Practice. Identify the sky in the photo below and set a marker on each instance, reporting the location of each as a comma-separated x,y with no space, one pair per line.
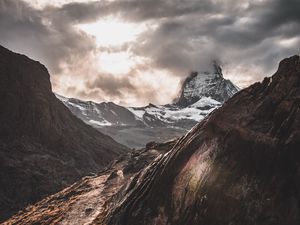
134,52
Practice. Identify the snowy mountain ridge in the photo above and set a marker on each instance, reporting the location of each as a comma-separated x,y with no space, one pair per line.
201,93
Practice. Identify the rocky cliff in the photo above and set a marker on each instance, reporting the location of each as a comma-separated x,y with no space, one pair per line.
43,146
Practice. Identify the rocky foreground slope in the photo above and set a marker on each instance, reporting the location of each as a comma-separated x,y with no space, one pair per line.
239,166
43,146
84,201
201,93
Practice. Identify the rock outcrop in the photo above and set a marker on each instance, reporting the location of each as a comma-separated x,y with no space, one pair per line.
43,146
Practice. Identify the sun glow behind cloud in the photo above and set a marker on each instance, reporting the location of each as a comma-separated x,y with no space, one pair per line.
114,58
116,63
111,32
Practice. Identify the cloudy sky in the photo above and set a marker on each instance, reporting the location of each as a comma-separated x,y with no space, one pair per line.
134,52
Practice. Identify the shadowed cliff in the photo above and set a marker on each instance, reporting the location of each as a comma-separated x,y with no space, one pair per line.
43,146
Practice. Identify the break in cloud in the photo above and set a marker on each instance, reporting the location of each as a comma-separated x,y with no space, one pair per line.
171,38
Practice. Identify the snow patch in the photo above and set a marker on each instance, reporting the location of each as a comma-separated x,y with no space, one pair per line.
77,106
137,112
100,123
205,101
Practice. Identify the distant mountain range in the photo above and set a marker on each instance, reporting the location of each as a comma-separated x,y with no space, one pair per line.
201,93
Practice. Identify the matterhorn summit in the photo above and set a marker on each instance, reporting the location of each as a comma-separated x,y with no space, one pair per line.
208,83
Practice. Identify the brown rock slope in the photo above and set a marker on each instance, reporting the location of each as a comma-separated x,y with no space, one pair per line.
43,147
240,166
87,200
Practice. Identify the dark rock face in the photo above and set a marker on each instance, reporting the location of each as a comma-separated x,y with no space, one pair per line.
86,200
239,166
43,146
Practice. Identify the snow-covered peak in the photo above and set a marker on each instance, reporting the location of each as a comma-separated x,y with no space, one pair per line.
208,83
205,102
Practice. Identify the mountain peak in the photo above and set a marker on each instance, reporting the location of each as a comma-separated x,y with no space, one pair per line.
207,83
217,68
292,62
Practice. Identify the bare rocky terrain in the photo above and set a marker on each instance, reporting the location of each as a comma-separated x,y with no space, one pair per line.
85,200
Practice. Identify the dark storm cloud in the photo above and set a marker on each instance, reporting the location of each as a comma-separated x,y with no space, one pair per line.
282,12
249,37
261,21
134,10
40,35
111,85
246,33
118,89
